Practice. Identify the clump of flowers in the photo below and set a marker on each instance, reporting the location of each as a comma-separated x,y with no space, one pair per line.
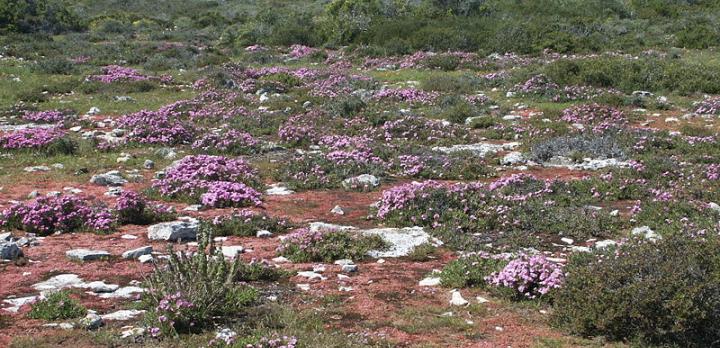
47,215
710,106
156,127
115,73
300,51
246,223
595,117
410,95
212,180
225,140
529,276
396,197
275,341
31,138
306,245
229,194
48,116
133,208
174,314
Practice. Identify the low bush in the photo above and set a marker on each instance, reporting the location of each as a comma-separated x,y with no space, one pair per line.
305,245
246,223
470,270
57,306
663,292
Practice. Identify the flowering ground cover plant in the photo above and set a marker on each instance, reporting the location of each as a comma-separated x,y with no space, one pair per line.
47,215
501,158
214,181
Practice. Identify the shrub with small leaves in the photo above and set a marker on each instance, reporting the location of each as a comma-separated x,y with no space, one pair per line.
247,223
56,306
305,245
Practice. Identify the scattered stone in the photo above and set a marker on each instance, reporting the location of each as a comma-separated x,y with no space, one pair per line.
59,282
136,253
184,229
232,251
9,251
98,286
166,153
114,191
111,178
714,207
481,299
430,281
324,226
646,233
587,164
263,234
343,262
226,336
337,210
145,258
91,321
124,292
349,268
605,243
122,315
401,241
132,332
86,254
149,164
567,240
361,181
479,149
17,303
513,158
37,169
128,236
193,207
303,287
457,299
311,275
280,259
278,189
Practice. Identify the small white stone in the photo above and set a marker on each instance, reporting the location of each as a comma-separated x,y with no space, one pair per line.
457,299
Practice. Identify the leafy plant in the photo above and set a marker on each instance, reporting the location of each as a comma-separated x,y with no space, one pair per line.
57,305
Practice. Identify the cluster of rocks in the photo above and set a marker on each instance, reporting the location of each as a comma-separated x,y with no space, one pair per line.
11,247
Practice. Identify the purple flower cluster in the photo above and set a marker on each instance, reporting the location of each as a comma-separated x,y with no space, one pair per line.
710,106
300,51
172,311
30,138
229,194
529,276
49,116
115,73
713,172
595,117
215,180
156,127
410,95
47,215
302,239
226,140
396,197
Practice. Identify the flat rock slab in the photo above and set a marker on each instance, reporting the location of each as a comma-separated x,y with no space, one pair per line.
479,149
136,253
86,254
124,292
185,229
59,282
121,315
401,241
16,303
231,251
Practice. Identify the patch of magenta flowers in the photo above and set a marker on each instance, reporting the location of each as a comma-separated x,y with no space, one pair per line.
529,276
215,181
47,116
174,313
30,138
133,208
595,117
47,215
115,73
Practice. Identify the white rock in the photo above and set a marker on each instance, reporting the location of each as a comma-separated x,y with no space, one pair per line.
401,241
337,210
58,282
513,158
124,292
111,178
133,332
231,251
361,181
430,281
311,275
456,299
567,240
714,207
481,299
91,321
479,149
16,303
605,243
122,315
146,258
646,233
263,234
278,189
98,286
349,268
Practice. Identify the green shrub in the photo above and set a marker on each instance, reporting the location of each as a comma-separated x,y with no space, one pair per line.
194,292
58,305
470,271
326,246
663,292
247,224
423,252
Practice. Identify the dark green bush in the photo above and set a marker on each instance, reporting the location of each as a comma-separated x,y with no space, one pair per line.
666,292
58,305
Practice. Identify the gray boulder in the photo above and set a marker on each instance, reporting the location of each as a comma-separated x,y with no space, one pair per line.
184,229
86,254
361,181
111,178
9,251
136,253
